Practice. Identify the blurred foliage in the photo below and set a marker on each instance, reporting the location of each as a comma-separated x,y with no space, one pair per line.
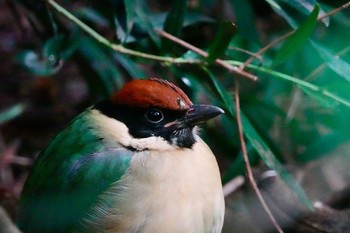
296,112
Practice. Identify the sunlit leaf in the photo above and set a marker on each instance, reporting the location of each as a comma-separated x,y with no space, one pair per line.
334,62
298,39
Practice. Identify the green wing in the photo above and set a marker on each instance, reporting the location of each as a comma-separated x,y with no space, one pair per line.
68,177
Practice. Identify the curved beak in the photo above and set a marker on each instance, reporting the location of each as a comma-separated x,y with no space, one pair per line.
200,113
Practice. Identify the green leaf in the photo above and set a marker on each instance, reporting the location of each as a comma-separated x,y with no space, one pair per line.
221,92
54,52
316,90
173,23
321,99
298,39
276,6
130,8
221,41
130,66
245,19
271,161
108,76
324,145
37,64
144,20
11,113
338,65
260,146
92,15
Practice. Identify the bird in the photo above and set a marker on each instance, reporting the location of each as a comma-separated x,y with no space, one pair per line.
133,162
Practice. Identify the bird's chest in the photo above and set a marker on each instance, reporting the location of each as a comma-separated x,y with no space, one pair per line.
167,192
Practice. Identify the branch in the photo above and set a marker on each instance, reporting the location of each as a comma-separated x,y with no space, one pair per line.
123,50
201,52
285,36
247,164
116,47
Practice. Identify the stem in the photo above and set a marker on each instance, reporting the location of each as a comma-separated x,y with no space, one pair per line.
247,163
121,49
118,48
285,36
203,53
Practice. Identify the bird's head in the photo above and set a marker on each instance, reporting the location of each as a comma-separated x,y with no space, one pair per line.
157,108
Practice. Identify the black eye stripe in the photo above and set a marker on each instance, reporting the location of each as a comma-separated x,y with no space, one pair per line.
154,115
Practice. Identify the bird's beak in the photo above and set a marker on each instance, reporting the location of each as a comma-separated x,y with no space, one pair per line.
200,113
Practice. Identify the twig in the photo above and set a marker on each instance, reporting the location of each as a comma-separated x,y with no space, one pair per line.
333,12
260,58
121,49
246,161
116,47
233,185
222,63
285,36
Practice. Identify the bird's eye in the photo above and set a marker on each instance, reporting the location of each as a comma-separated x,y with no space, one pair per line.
154,116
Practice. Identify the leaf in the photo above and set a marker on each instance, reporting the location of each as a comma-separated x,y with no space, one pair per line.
221,92
260,146
11,113
338,65
324,145
144,20
221,41
173,23
130,8
321,99
280,11
92,15
245,19
298,39
130,66
301,83
271,161
36,64
306,6
108,76
294,11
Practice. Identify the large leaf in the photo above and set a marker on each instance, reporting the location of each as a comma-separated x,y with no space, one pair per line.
338,65
260,145
221,41
298,39
173,22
